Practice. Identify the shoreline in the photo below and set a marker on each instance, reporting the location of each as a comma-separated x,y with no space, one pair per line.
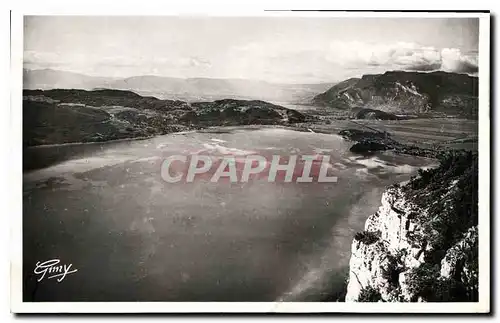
364,141
201,130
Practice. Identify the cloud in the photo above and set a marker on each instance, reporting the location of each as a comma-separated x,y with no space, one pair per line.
118,65
424,67
194,62
454,60
337,60
403,56
274,60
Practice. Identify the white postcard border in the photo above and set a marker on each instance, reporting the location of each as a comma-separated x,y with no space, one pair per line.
15,176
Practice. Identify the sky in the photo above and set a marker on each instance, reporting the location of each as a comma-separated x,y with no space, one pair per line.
273,49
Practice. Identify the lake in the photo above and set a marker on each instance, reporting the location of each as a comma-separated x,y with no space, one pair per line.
105,209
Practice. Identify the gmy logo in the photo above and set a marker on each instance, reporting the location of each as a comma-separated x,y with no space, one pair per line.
52,269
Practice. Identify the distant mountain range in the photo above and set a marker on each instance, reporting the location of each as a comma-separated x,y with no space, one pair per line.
398,92
189,89
373,96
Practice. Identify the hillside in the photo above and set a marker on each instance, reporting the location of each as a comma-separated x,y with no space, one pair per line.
415,93
422,243
64,116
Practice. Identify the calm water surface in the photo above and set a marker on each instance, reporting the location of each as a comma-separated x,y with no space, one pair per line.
133,236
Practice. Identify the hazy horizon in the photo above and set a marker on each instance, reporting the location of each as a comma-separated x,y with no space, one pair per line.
176,77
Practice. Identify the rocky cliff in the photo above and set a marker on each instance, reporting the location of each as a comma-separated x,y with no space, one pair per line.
431,94
422,243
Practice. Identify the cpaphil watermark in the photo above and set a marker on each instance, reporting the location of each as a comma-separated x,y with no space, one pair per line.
242,169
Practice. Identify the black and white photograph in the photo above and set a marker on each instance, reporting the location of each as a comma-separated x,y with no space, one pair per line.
303,161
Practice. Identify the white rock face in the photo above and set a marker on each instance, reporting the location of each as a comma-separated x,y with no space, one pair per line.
384,264
456,262
370,263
